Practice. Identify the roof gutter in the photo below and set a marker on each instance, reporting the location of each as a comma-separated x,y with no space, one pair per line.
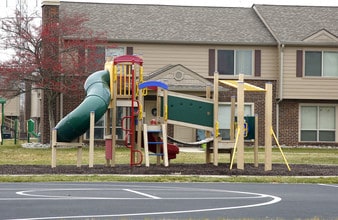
143,41
321,44
193,42
280,48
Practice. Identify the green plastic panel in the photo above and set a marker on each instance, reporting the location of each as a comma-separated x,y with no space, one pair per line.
190,111
249,127
30,125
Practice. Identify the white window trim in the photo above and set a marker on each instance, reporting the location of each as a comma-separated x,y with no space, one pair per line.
251,104
316,105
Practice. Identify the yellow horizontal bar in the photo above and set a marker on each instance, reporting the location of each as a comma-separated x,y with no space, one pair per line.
247,86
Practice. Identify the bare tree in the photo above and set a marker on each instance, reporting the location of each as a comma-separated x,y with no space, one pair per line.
50,56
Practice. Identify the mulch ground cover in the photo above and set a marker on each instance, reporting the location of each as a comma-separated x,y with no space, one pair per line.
176,169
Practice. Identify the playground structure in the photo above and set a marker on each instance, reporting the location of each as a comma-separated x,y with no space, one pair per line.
239,146
122,79
155,135
269,133
103,88
11,125
126,73
31,130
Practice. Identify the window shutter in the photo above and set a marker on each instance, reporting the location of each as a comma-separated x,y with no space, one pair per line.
211,62
299,65
130,50
257,62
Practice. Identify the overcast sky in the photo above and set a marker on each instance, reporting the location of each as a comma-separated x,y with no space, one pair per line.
227,3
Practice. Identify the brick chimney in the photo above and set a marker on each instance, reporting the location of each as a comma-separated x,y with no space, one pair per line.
50,11
50,14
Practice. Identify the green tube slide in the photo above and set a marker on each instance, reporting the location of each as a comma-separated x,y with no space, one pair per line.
97,100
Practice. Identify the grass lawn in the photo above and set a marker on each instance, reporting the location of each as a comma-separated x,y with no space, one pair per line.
11,154
17,155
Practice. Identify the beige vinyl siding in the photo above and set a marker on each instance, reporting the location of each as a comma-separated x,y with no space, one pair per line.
323,88
269,65
185,134
195,57
157,56
12,107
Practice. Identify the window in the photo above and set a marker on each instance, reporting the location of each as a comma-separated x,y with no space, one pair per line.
317,123
321,63
234,62
100,125
224,113
114,52
98,129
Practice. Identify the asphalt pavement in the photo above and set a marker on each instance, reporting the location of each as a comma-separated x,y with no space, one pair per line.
119,200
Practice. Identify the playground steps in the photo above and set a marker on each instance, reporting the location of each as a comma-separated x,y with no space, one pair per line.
160,130
224,146
10,128
78,143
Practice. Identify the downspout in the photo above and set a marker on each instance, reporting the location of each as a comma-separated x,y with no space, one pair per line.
281,81
280,49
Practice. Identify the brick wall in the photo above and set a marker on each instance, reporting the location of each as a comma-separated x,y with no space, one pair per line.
50,14
289,118
288,122
72,100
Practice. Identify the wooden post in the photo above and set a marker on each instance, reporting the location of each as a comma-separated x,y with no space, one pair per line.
164,127
165,144
240,123
78,143
113,104
268,127
256,142
145,142
108,134
165,106
79,151
216,125
54,133
232,118
91,139
79,156
158,120
208,133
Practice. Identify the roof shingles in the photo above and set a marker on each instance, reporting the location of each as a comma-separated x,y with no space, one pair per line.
179,24
292,24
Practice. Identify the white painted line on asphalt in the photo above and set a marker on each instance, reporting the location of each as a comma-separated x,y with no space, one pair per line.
269,200
142,194
330,185
274,199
